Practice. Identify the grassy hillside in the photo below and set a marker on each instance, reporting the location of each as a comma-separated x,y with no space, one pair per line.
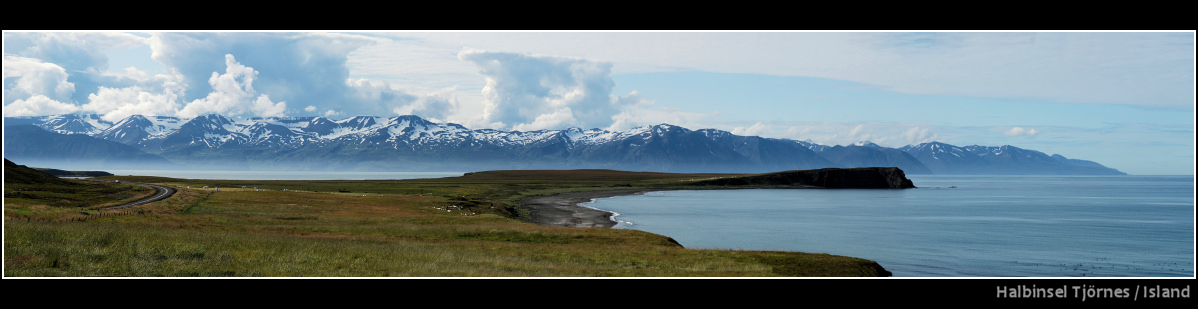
459,226
29,193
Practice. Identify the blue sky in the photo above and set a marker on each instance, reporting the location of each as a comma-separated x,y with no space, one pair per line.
1123,99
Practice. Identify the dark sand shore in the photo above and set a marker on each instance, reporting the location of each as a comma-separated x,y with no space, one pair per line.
563,210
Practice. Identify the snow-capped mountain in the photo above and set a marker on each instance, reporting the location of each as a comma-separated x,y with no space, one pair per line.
36,146
412,143
136,129
943,158
89,124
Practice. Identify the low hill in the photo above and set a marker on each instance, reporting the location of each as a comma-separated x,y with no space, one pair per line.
20,174
25,187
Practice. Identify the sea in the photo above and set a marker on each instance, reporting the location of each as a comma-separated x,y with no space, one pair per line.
951,226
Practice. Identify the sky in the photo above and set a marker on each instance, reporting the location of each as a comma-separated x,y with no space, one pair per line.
1122,99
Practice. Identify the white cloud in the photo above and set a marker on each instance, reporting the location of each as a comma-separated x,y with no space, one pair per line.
38,105
918,135
755,130
265,108
310,108
368,97
115,104
304,69
82,54
434,107
75,51
1018,131
633,112
535,91
233,94
31,77
561,118
884,134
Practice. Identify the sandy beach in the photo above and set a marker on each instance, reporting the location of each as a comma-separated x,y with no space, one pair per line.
563,210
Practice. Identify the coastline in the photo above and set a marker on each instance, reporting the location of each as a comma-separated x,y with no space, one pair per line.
563,210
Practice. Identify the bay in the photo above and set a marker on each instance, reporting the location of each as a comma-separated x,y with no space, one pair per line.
952,226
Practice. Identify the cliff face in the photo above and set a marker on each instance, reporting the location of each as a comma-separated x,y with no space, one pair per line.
832,178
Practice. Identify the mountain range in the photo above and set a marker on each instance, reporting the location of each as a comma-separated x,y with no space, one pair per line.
411,143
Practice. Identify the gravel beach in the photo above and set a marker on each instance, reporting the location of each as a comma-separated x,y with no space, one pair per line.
563,210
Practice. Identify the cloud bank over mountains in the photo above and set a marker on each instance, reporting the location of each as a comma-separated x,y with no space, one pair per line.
293,74
533,92
236,74
890,88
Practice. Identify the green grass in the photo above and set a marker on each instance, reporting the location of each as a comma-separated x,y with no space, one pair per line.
400,230
83,249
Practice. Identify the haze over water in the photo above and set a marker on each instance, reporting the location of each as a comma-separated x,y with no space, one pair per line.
283,175
987,226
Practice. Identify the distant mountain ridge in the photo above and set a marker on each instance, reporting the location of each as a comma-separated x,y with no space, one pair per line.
411,143
943,158
37,147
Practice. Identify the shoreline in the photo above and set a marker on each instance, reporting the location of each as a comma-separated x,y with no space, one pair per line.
563,209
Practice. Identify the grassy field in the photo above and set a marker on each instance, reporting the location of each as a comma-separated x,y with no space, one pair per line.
448,227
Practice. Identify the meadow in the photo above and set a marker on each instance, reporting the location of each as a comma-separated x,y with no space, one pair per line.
467,226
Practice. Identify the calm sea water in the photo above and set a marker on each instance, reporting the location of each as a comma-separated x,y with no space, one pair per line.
987,226
284,175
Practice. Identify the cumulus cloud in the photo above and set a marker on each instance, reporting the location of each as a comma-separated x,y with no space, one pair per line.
81,54
26,77
38,105
233,94
300,68
542,92
308,69
1018,131
115,104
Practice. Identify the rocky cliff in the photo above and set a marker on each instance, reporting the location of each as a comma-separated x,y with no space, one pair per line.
832,178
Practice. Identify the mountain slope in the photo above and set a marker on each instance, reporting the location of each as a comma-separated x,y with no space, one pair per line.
35,146
943,158
870,155
411,143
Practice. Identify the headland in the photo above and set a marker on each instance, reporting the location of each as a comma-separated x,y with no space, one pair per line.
563,209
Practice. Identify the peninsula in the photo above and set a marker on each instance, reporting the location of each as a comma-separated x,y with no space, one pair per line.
562,209
475,225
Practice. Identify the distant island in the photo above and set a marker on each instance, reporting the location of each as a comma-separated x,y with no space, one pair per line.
411,143
62,173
